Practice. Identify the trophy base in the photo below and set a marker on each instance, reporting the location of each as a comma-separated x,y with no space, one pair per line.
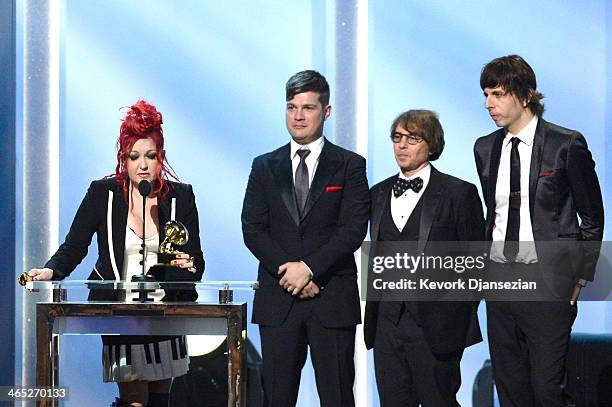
165,273
158,271
165,258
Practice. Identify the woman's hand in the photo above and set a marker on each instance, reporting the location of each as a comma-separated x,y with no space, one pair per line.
41,274
184,261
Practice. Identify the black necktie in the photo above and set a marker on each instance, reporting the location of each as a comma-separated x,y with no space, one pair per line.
301,180
511,245
402,185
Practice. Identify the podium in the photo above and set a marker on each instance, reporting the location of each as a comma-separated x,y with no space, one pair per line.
140,318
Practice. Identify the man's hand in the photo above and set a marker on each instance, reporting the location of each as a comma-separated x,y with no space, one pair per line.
310,291
575,294
296,276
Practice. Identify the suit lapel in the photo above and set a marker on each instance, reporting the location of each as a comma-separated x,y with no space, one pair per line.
379,203
536,163
163,214
494,168
283,175
431,201
119,221
327,167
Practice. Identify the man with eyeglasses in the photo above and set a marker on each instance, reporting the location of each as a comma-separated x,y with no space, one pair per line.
537,179
418,345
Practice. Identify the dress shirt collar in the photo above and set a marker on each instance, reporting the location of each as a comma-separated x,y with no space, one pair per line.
424,173
315,147
526,135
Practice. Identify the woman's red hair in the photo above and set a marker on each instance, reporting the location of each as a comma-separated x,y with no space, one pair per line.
143,121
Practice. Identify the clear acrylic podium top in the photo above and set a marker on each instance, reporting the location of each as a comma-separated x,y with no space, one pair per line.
221,292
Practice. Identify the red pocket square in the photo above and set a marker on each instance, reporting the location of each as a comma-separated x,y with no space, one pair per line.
548,173
333,188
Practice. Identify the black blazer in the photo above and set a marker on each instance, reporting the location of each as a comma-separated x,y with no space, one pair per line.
451,211
332,227
562,185
93,217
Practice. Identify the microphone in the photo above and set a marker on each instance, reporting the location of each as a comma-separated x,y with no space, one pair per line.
144,187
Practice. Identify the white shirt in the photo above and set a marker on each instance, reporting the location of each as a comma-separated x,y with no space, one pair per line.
403,205
132,258
526,253
312,160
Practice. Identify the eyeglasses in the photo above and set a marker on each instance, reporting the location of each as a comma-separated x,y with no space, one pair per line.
412,139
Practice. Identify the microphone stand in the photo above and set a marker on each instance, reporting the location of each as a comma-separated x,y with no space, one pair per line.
144,187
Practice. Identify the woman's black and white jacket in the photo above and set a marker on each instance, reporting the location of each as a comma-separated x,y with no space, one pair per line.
104,212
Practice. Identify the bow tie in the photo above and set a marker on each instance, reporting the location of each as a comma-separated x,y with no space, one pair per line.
402,185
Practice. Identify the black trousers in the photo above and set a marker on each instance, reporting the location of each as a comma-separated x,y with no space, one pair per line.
408,373
284,350
528,343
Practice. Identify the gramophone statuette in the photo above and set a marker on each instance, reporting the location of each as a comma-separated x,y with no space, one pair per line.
176,235
24,278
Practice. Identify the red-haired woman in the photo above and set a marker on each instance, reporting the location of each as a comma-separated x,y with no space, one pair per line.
142,366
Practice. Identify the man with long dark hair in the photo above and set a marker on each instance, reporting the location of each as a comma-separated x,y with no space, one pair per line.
537,179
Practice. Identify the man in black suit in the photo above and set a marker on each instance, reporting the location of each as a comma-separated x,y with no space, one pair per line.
305,213
536,179
418,345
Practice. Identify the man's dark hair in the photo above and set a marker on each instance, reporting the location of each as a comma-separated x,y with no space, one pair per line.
514,75
308,81
423,123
